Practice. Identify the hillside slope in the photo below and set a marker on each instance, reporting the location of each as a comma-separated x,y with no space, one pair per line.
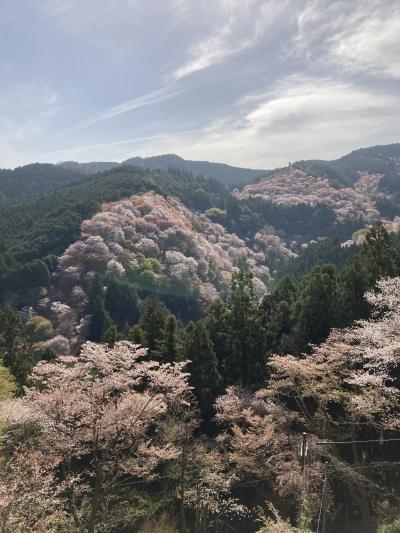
47,226
33,181
156,245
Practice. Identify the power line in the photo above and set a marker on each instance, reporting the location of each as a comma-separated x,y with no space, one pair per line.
356,441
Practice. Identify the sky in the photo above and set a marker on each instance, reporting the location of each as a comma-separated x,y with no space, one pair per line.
253,83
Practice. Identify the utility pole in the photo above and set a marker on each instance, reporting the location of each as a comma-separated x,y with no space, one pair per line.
303,452
303,456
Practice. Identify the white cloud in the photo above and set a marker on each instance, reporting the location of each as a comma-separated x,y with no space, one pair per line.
358,36
303,118
373,45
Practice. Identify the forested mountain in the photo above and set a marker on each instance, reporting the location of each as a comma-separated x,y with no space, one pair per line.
166,343
33,181
88,169
221,172
226,174
384,159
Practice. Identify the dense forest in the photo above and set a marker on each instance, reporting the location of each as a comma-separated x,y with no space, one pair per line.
177,356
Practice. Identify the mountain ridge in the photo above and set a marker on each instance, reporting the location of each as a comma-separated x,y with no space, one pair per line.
38,179
227,174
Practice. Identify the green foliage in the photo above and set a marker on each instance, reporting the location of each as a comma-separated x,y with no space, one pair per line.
121,301
170,348
305,519
10,332
203,367
345,171
327,250
8,386
148,274
294,315
245,362
111,336
30,275
33,181
314,311
136,334
16,349
38,329
394,527
235,331
217,215
100,320
153,320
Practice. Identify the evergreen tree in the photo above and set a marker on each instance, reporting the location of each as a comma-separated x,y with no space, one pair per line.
16,348
245,363
111,336
96,289
315,309
100,320
152,321
170,348
10,332
121,302
353,283
217,327
203,366
379,255
136,334
285,290
278,327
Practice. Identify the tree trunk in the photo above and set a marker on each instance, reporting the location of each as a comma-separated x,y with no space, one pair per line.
365,514
183,527
96,499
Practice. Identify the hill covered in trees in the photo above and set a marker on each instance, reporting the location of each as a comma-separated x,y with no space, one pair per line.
166,342
211,444
384,160
227,174
33,181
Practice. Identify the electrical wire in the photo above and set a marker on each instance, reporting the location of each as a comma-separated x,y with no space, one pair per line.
356,441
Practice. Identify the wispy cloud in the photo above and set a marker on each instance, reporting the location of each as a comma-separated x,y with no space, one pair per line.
26,111
303,117
153,97
359,37
66,152
243,23
373,45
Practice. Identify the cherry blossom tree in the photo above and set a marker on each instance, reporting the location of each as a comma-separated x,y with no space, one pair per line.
29,496
100,418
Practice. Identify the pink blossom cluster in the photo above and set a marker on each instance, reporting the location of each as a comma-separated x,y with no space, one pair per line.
292,186
192,250
367,184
